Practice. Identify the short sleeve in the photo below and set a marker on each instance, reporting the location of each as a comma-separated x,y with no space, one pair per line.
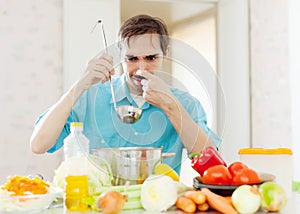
64,133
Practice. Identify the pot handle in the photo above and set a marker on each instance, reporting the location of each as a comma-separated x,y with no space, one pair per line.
168,154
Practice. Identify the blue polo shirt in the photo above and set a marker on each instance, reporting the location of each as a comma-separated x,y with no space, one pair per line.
103,128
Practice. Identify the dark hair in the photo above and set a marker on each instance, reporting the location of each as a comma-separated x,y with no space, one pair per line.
143,24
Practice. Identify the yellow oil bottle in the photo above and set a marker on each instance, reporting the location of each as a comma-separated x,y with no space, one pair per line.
75,193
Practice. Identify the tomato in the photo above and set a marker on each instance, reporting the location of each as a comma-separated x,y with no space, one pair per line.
236,167
218,174
246,176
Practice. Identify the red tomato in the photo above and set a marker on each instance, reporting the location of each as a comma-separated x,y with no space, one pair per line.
217,174
236,167
246,176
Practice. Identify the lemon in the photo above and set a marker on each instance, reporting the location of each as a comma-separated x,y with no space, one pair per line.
165,169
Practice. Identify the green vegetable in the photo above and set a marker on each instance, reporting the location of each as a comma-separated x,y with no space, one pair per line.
99,174
296,186
133,204
91,201
273,196
121,188
133,193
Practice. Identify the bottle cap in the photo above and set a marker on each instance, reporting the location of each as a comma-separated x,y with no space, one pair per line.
76,124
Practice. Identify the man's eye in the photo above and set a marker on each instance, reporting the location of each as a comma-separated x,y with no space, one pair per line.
131,59
151,57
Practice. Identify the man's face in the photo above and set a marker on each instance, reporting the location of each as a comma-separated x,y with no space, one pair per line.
143,52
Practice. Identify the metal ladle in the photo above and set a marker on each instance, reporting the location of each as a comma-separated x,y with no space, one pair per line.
126,113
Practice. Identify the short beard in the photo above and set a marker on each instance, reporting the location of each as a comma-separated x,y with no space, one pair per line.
133,88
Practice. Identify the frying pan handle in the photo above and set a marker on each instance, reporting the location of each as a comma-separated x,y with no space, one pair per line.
168,154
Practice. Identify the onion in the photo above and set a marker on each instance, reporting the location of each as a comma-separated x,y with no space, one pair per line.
111,202
273,196
158,193
246,199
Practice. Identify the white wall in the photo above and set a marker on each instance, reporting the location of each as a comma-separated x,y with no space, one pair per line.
294,68
233,68
30,80
270,82
275,66
80,44
200,35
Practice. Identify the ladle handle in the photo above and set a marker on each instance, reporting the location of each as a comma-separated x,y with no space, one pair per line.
104,37
110,82
113,92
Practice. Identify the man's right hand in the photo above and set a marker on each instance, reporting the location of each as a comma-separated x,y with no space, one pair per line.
98,69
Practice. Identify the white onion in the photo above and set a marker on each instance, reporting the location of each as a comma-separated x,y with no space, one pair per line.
158,193
246,199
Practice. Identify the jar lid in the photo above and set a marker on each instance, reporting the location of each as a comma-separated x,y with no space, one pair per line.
262,151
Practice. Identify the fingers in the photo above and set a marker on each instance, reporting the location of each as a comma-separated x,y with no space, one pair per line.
101,67
145,84
105,62
145,74
98,72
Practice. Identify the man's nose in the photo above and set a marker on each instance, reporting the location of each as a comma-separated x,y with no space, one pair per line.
142,65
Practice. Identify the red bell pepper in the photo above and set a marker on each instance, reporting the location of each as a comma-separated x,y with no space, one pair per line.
208,157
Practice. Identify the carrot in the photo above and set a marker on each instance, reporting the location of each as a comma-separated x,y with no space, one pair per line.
203,207
228,200
185,204
218,202
197,196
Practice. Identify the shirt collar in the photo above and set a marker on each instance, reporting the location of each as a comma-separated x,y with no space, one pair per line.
121,89
122,92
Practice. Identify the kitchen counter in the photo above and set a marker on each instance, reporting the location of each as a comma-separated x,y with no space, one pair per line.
293,206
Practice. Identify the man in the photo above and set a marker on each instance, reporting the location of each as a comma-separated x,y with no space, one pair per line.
171,119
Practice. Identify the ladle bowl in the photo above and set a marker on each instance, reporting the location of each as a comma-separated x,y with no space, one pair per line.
129,114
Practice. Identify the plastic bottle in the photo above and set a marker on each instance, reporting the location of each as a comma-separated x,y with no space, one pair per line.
76,147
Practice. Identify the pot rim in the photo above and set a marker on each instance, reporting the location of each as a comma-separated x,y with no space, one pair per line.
130,148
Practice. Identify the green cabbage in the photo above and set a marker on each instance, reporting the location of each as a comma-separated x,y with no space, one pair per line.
99,174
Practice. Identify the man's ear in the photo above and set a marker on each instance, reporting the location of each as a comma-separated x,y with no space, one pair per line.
167,53
167,50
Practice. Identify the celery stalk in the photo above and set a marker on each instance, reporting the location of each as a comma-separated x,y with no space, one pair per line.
133,204
121,188
133,194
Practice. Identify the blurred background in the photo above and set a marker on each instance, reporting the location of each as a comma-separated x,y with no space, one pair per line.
251,46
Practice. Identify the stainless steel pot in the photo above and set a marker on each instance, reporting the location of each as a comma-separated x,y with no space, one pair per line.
133,164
